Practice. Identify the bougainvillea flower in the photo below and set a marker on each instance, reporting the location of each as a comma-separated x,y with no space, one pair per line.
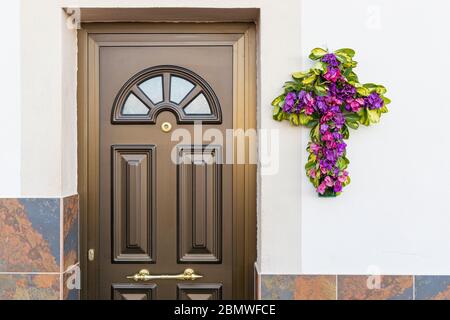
347,91
321,188
328,181
343,178
289,102
309,110
354,104
314,148
332,74
337,187
331,60
374,101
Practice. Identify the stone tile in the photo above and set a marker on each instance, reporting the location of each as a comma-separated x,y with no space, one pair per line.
70,231
375,287
277,287
432,287
29,287
29,235
315,287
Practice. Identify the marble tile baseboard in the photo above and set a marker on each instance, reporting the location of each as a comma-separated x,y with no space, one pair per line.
353,287
39,238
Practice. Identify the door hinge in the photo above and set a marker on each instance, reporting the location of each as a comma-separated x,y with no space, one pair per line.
91,254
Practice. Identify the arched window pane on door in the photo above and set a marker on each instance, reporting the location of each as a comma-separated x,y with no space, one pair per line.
134,106
166,88
198,106
153,89
179,89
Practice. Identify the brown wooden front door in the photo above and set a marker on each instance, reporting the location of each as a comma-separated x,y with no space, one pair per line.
166,196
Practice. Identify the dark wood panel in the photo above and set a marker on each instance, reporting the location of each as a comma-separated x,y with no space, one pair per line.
133,199
200,291
133,291
199,182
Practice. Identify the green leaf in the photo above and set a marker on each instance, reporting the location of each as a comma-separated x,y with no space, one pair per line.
309,80
293,118
299,75
315,133
320,90
380,90
353,125
317,53
280,116
363,91
276,110
312,123
341,163
374,115
320,66
364,117
386,100
347,51
310,165
289,86
384,109
343,57
277,100
345,132
304,119
351,116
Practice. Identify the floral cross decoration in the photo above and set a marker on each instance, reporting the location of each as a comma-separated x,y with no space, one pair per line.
329,99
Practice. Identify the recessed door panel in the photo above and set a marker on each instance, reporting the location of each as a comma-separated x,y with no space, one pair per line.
199,180
204,291
133,196
133,291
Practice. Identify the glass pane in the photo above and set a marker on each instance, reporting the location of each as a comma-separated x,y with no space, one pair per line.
198,106
179,88
134,106
153,89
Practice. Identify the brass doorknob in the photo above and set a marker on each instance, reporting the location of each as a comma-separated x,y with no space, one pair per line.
144,275
166,127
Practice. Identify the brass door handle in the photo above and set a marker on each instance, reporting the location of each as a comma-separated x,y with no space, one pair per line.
144,275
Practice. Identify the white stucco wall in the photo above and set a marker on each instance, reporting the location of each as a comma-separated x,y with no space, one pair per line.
10,105
393,216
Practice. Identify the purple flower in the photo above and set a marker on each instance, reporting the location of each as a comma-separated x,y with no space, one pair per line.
330,155
323,128
341,148
354,104
337,187
339,119
321,104
325,165
343,178
346,92
314,148
331,60
374,101
332,74
309,110
321,188
328,181
289,102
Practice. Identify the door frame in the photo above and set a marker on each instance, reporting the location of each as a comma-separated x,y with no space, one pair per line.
244,117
